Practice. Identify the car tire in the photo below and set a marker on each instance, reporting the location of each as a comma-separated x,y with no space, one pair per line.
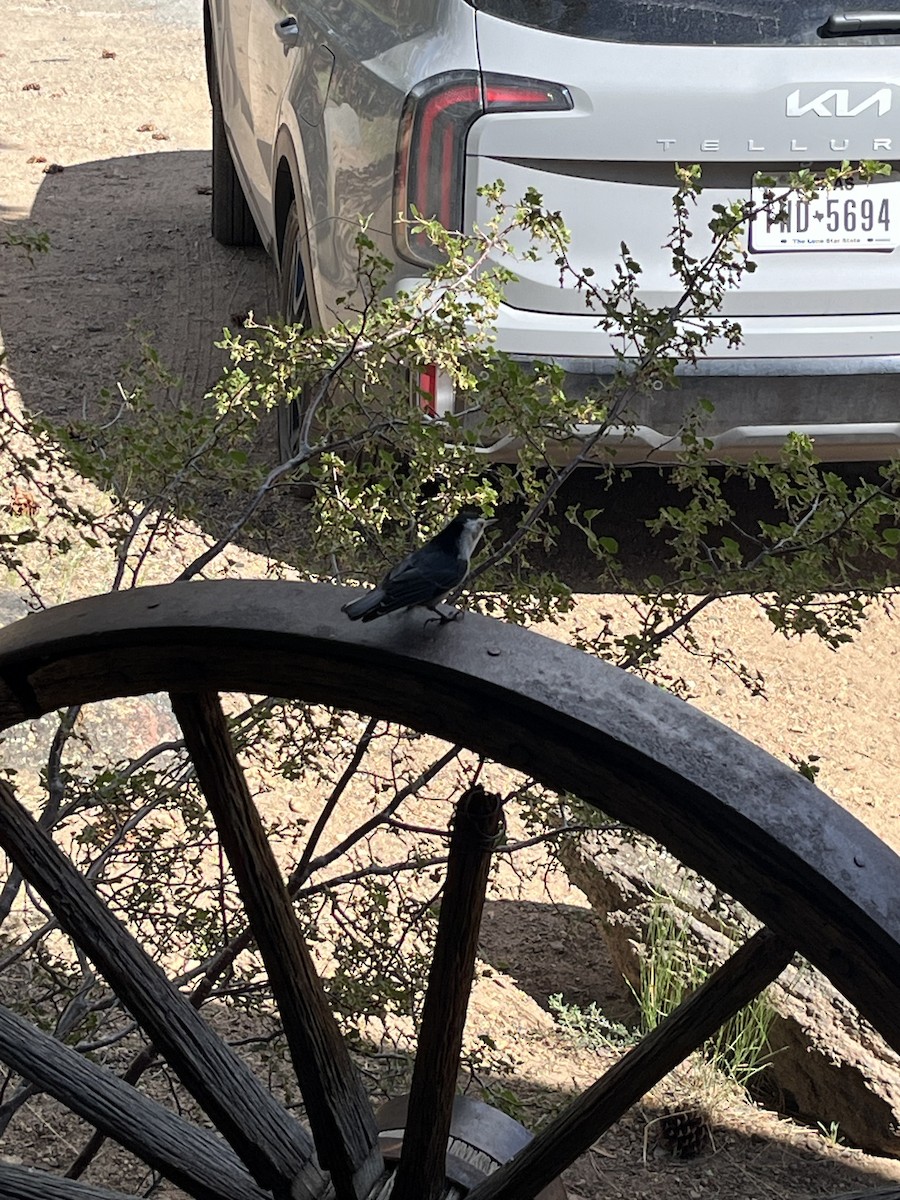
294,307
232,220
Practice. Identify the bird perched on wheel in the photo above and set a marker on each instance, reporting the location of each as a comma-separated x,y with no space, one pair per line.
424,577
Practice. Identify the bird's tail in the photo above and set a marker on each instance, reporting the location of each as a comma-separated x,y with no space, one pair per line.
360,609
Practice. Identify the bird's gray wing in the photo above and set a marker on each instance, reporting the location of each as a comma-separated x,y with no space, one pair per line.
414,582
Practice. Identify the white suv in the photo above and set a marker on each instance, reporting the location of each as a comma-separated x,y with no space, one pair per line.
326,110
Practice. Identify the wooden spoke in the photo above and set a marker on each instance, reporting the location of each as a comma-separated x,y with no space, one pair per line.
757,964
342,1121
195,1159
420,1175
24,1183
276,1150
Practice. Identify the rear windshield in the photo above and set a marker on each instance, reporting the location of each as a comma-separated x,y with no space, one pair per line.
684,22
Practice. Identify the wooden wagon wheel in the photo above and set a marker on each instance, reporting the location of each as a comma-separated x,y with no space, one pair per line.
822,884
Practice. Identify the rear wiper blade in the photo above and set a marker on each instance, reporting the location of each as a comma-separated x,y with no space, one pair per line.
860,24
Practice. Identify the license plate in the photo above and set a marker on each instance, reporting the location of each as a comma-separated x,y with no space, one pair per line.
864,216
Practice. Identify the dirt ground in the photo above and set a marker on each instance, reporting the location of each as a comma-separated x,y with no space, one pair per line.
104,145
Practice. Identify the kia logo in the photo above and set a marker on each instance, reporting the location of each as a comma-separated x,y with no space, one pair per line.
836,103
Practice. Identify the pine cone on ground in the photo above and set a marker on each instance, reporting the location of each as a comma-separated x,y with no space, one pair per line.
684,1132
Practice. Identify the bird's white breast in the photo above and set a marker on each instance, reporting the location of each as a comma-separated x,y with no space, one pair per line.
470,537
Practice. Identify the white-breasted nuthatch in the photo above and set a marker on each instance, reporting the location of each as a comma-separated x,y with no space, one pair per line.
428,574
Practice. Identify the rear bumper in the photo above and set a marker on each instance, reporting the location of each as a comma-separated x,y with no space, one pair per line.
833,378
850,408
642,444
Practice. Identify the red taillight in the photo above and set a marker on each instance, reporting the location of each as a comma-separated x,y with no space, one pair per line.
431,147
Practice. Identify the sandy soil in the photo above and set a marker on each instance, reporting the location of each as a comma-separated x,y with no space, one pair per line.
128,217
118,101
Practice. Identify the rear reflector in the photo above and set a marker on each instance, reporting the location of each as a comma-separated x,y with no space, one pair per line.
435,391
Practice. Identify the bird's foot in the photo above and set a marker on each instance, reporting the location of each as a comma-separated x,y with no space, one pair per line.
443,618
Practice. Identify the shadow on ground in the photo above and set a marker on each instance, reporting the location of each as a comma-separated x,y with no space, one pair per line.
554,949
130,247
